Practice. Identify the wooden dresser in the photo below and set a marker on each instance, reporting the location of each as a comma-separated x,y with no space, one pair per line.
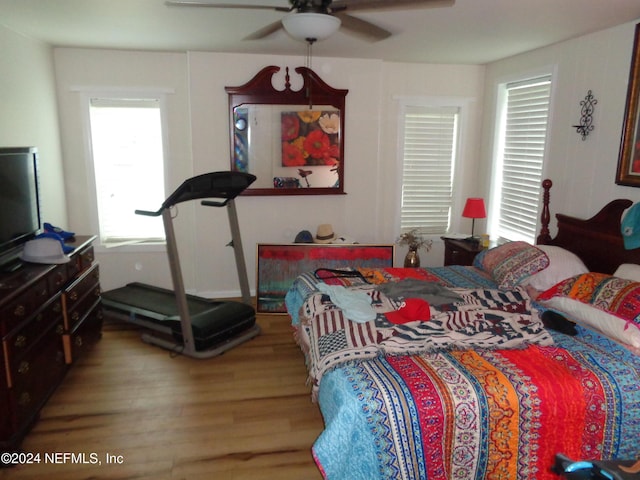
49,316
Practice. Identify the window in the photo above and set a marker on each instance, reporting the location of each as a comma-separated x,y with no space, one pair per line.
429,140
128,168
519,160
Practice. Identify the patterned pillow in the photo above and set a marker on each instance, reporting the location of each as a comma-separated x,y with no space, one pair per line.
562,264
606,303
513,262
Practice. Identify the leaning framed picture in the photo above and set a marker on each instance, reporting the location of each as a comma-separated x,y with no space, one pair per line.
629,160
278,265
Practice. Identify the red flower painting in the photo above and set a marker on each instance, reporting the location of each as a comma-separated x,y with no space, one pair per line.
310,137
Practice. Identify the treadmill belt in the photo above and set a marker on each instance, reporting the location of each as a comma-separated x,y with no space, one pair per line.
154,302
211,321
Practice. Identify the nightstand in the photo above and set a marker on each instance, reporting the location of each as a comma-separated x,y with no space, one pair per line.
460,252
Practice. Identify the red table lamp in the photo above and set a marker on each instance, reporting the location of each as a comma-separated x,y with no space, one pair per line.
474,208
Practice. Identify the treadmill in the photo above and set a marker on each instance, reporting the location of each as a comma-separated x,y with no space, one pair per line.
182,323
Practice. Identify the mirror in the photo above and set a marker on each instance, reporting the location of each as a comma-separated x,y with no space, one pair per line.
292,141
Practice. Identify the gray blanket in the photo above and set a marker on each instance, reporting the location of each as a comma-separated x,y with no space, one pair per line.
431,292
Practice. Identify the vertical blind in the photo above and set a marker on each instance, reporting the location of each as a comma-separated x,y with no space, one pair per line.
525,134
429,150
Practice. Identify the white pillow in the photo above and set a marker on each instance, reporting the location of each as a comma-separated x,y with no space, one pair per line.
628,271
591,317
562,264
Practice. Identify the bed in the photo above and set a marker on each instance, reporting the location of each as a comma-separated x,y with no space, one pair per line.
474,372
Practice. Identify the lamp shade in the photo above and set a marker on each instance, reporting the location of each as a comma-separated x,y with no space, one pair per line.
310,27
474,208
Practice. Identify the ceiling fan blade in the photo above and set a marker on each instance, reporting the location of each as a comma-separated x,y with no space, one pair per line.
355,5
361,28
264,31
204,3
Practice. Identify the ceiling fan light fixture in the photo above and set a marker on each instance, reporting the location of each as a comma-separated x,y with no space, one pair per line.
310,27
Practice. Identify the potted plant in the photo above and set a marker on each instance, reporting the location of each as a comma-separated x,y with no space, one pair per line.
414,241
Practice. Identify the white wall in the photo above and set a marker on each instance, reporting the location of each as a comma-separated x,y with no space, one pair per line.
583,172
82,71
199,136
29,115
199,142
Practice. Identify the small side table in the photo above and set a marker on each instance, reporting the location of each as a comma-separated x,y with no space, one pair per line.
460,252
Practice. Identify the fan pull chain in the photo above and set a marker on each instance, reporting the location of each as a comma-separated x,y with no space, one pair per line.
310,42
309,52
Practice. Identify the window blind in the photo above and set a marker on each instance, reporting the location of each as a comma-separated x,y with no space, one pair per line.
429,148
525,133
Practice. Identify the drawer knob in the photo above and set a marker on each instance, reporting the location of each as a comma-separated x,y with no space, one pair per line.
57,308
78,341
19,311
23,368
60,329
21,341
73,296
24,399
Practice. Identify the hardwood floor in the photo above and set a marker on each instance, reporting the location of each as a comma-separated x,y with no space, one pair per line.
246,414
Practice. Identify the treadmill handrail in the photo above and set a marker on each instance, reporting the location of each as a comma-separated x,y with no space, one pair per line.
225,184
148,213
211,203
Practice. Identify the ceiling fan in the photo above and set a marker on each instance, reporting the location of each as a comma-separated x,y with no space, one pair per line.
311,20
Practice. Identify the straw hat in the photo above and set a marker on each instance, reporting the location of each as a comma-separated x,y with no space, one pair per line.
324,234
43,250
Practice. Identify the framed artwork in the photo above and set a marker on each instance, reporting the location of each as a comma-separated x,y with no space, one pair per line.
278,265
310,137
629,159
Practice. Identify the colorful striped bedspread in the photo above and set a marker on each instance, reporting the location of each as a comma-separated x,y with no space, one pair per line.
477,413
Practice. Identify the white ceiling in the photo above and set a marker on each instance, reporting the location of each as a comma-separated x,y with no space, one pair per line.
470,32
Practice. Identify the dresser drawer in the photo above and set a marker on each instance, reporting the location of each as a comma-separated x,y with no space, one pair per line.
18,310
81,261
58,278
37,375
85,335
79,309
80,296
22,339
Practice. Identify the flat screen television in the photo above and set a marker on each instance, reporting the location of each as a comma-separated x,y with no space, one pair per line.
19,202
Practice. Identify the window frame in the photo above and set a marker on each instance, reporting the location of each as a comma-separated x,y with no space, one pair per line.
493,211
115,94
462,105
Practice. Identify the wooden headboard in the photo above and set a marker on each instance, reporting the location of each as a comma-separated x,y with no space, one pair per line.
597,240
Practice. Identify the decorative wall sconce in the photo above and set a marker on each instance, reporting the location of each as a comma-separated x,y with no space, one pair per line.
586,115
